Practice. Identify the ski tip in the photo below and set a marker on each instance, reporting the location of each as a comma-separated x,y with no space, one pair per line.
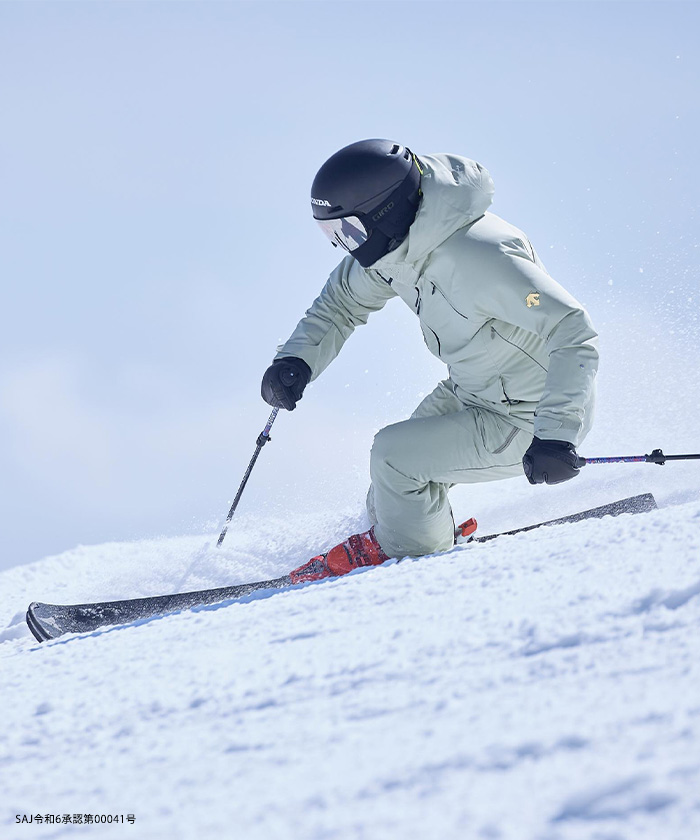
642,503
40,633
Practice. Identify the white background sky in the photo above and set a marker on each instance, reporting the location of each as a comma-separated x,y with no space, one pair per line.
156,241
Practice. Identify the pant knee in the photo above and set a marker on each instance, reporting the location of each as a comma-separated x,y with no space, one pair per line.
387,447
386,452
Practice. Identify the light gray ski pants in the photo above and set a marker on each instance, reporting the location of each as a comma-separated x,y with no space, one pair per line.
414,463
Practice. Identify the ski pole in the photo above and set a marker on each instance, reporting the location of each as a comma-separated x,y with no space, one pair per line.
263,438
656,457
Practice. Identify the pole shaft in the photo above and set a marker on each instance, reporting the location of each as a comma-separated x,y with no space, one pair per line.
656,457
616,459
263,438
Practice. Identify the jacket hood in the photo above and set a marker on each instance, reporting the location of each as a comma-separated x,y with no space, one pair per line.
456,192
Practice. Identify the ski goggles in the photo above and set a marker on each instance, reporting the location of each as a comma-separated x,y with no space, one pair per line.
348,232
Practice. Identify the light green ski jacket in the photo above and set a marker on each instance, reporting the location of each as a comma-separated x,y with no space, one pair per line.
514,341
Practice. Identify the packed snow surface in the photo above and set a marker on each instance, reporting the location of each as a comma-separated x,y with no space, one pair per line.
544,686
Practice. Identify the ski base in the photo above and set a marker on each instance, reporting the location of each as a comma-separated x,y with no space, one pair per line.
49,621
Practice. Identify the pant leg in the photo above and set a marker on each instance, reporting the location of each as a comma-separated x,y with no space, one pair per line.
413,464
440,401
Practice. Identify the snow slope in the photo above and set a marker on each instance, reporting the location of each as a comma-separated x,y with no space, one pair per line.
542,686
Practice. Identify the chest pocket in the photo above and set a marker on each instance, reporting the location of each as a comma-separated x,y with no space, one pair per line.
446,330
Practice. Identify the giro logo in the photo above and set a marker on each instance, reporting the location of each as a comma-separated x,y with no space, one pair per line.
320,202
384,210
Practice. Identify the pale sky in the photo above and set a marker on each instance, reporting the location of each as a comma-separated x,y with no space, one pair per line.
156,240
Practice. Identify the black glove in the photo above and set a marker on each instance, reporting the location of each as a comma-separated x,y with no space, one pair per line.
284,382
550,461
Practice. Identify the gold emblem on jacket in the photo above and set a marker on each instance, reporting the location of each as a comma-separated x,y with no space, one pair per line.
533,299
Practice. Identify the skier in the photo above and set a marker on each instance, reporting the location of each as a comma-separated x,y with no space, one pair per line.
521,352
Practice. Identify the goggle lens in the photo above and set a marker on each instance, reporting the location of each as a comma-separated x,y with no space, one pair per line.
348,232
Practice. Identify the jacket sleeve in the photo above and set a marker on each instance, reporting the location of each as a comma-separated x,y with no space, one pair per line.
346,301
519,291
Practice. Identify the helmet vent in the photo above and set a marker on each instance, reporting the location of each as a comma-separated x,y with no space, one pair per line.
395,149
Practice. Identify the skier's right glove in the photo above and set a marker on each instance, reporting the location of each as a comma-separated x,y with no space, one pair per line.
284,382
550,461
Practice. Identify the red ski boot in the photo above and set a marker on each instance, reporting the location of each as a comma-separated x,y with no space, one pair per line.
358,550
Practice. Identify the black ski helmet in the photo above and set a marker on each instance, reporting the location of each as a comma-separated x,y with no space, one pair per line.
373,186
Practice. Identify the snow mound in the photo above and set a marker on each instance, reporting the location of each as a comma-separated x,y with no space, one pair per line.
544,686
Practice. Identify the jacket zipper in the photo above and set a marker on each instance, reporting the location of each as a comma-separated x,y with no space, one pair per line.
507,442
437,338
442,295
495,332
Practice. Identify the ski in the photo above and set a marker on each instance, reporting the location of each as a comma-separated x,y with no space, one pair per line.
633,504
49,621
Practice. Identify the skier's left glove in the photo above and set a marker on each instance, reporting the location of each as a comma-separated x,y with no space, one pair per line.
550,461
